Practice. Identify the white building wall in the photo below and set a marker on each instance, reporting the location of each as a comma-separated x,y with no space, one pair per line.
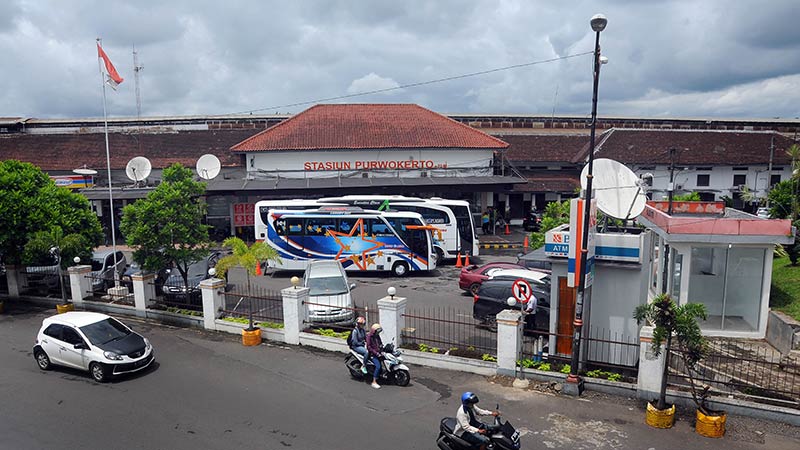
407,163
720,179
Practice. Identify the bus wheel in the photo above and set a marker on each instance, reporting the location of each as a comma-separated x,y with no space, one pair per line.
400,269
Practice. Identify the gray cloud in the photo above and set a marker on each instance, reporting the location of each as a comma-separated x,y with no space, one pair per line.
679,57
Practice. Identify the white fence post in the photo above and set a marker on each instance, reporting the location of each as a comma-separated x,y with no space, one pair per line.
294,313
509,334
79,284
144,291
391,314
651,367
212,301
14,278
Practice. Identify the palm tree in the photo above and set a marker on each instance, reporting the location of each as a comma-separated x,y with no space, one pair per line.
247,257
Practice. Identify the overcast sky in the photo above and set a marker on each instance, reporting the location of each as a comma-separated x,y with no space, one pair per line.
717,58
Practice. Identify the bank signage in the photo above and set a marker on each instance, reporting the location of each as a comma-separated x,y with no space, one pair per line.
609,246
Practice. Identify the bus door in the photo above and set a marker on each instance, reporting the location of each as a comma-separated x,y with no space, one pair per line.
381,232
416,238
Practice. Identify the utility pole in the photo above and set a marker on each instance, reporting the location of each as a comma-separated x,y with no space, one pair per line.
136,69
671,187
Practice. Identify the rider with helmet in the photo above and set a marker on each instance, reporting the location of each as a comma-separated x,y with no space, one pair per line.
467,426
375,348
358,341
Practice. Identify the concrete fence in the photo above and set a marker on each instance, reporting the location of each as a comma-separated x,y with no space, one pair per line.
391,313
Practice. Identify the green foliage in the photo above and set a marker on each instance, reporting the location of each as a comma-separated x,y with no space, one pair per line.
488,357
555,214
428,348
31,205
689,197
610,376
185,312
245,320
545,367
780,199
332,333
785,291
678,324
566,369
244,256
615,377
166,229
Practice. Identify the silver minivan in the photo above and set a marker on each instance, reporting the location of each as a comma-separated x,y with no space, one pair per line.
330,301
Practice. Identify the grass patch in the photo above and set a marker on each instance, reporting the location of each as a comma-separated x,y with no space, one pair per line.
245,321
785,291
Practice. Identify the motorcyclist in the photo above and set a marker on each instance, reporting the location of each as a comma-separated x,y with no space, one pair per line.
358,341
375,348
467,426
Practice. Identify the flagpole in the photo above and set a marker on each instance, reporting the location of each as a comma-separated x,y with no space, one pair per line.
108,168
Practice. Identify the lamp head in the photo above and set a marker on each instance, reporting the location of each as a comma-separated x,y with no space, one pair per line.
295,281
212,271
603,60
391,291
598,22
77,259
511,301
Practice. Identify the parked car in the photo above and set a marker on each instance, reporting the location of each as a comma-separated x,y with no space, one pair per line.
174,288
42,275
532,222
134,267
471,277
94,342
330,298
531,261
492,298
763,213
104,269
534,277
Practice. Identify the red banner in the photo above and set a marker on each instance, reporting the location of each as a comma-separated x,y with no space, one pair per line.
244,214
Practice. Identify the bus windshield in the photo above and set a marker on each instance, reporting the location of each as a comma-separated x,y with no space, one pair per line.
417,240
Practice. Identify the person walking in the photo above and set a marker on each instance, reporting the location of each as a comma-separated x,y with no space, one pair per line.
485,222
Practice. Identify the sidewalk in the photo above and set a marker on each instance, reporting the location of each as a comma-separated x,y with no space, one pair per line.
500,240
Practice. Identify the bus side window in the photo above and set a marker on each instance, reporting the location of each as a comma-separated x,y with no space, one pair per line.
346,225
295,227
378,228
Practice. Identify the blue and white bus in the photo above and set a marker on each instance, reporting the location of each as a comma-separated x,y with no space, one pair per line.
360,239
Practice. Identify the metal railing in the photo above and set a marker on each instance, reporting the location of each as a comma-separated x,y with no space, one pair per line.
44,282
337,318
100,291
265,305
746,369
173,296
448,330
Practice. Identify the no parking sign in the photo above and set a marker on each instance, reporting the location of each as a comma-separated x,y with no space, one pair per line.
522,290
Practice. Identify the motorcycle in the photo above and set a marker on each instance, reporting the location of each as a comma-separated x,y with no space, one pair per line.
502,436
392,367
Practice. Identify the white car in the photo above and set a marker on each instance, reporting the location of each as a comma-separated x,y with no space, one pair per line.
97,343
330,301
533,276
763,213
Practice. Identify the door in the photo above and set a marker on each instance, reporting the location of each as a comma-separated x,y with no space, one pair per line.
69,354
51,342
566,316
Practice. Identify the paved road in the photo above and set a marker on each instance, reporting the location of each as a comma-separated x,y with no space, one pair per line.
210,392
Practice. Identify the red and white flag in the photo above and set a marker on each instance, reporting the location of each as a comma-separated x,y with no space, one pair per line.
113,77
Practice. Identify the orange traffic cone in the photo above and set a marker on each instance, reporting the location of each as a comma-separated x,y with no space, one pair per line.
507,230
458,260
525,243
466,260
258,268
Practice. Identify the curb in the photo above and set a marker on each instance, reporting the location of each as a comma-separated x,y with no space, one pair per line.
499,246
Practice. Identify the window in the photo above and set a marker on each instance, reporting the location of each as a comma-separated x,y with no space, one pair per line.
739,179
378,228
740,168
54,331
295,227
677,266
70,336
105,331
774,179
319,226
703,179
280,227
346,225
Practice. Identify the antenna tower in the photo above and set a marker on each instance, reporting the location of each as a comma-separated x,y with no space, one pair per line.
136,69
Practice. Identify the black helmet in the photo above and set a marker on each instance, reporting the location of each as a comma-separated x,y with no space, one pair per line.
469,399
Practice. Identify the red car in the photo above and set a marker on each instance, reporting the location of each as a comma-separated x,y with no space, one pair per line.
471,277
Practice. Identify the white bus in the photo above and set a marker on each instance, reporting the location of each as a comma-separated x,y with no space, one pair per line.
360,239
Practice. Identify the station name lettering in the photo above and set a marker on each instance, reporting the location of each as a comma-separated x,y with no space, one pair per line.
366,165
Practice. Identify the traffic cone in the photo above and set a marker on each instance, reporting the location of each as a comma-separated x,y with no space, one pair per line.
507,230
258,268
466,260
458,260
525,243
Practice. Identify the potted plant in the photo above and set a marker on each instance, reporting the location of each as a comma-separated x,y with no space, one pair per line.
675,327
249,258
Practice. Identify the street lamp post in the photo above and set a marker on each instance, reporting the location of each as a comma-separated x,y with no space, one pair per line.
574,384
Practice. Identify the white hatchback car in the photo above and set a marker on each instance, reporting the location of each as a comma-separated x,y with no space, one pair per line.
330,301
94,342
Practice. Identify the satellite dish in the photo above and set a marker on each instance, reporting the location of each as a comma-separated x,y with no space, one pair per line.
617,189
208,166
138,168
85,171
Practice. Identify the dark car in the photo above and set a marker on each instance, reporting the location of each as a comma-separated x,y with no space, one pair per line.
174,288
532,222
472,276
534,260
492,298
134,267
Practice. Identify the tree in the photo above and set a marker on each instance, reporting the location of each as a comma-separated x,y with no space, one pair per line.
555,214
166,228
33,207
780,200
675,327
248,258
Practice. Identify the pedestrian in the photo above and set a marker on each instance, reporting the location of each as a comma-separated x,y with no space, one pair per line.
530,313
485,222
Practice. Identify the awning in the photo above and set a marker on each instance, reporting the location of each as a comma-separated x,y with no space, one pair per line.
288,184
119,194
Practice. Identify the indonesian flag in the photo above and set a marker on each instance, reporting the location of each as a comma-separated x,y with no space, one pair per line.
113,77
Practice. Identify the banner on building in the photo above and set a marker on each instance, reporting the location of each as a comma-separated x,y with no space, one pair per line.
73,181
576,220
244,214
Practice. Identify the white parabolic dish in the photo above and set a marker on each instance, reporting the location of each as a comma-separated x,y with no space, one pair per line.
616,188
138,168
208,166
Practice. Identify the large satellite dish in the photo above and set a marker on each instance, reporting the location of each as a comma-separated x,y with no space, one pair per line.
138,169
208,166
618,191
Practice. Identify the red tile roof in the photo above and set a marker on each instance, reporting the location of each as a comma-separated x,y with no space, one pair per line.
694,147
366,126
56,152
543,147
550,182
